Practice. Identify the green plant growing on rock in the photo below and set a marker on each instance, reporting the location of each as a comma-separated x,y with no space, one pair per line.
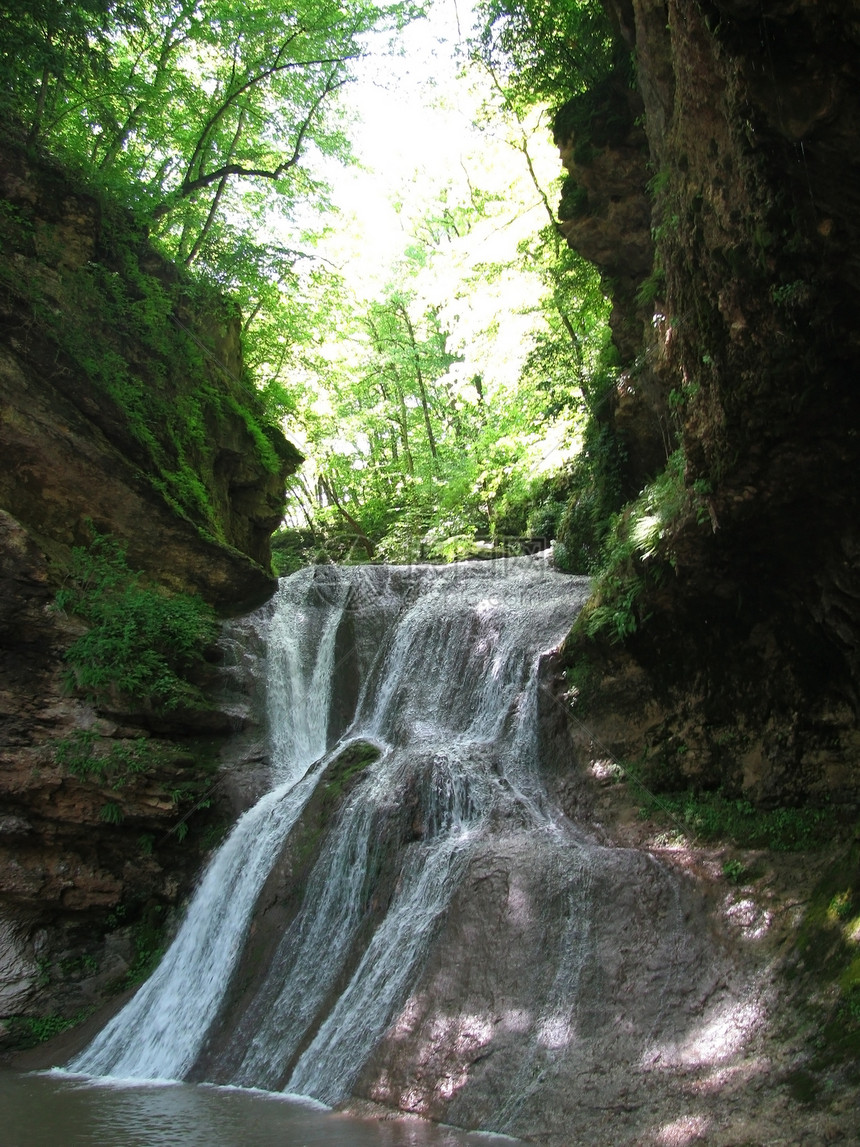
89,756
735,871
717,816
142,644
651,287
633,537
28,1031
341,775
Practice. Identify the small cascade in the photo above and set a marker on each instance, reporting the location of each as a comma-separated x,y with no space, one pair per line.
159,1033
358,973
300,630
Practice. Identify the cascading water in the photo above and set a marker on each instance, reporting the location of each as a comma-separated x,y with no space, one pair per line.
160,1032
359,989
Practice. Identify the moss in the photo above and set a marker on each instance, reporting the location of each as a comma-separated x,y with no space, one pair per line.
340,777
829,947
144,351
344,771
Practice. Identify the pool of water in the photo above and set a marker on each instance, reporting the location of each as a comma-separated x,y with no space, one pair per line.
51,1109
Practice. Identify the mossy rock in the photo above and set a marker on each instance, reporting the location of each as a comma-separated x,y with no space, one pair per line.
341,776
830,953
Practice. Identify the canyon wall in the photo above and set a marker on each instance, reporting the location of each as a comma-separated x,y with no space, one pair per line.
719,198
124,411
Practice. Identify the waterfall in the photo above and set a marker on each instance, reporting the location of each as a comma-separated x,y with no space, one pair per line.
448,692
159,1033
355,973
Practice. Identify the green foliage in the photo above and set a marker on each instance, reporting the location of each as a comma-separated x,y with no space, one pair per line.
91,757
168,109
716,816
292,549
79,966
546,48
111,813
423,456
735,871
635,548
658,183
408,465
142,644
200,112
28,1031
651,287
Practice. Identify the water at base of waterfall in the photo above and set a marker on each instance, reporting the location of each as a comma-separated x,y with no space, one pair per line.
47,1109
443,664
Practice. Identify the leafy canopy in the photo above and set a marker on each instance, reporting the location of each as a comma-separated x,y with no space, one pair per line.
438,398
203,111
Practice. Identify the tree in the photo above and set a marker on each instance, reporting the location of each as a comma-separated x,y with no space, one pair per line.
547,50
202,111
443,401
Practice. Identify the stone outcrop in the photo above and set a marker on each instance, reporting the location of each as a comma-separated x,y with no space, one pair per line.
74,451
91,868
745,356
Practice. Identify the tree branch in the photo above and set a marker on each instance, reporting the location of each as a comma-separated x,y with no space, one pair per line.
189,186
347,516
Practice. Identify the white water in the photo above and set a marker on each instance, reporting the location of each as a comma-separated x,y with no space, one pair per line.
160,1032
448,658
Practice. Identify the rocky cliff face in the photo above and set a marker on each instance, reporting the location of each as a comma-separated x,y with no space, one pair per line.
734,164
124,409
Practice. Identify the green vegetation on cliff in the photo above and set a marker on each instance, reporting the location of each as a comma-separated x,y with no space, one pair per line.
142,645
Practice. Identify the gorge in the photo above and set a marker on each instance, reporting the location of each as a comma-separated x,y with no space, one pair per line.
566,856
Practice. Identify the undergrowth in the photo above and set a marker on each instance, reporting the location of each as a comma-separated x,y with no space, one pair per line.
715,816
142,644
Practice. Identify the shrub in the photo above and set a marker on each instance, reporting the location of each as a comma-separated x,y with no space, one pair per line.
142,643
716,816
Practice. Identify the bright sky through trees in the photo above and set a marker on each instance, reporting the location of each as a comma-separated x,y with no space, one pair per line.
442,249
